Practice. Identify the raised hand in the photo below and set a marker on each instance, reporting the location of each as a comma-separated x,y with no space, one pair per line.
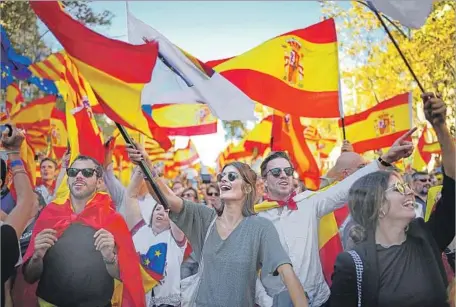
14,141
43,241
400,149
434,109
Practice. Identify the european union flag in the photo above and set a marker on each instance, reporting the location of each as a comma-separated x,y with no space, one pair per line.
18,64
6,76
155,258
45,85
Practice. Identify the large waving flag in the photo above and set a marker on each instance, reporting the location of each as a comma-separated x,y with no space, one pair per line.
259,139
59,135
379,126
14,99
201,84
296,72
410,13
288,135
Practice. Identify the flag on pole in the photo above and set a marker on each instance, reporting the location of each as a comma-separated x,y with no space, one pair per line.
410,13
296,73
185,79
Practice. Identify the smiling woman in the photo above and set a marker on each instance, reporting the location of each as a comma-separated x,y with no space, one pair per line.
217,240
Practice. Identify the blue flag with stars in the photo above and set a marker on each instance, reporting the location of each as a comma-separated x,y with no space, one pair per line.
155,258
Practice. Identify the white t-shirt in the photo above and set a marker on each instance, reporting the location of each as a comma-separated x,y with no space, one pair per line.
152,246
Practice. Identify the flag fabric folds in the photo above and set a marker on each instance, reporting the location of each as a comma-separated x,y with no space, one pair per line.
59,136
379,126
410,13
300,76
117,71
181,78
14,99
259,139
288,135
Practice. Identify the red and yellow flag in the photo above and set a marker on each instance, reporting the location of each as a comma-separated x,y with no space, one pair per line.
301,68
288,135
14,99
117,71
421,158
59,136
379,126
259,139
185,157
184,119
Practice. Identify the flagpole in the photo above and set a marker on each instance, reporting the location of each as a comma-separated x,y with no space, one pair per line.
144,168
373,9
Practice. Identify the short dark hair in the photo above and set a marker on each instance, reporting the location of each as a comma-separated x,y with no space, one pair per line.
50,160
3,171
273,156
98,167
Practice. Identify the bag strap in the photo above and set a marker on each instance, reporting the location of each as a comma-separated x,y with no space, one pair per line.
201,265
359,273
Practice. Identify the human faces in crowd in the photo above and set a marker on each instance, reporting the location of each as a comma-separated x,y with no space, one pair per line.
212,197
190,194
160,217
178,188
399,201
47,170
83,179
230,184
279,178
421,184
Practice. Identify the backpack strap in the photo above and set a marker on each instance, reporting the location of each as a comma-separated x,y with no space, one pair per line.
359,273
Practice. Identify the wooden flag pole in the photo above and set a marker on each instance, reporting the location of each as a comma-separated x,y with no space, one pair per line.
146,171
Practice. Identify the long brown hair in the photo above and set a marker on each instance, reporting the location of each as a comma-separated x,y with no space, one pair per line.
249,187
366,198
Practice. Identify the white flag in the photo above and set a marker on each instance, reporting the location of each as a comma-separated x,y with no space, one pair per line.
410,13
224,99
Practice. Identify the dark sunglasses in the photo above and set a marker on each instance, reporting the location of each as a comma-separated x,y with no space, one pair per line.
189,195
86,172
400,187
424,180
231,176
277,171
213,194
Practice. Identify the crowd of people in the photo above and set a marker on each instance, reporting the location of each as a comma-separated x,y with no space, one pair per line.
244,239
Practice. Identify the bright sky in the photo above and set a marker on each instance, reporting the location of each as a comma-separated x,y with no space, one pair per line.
212,30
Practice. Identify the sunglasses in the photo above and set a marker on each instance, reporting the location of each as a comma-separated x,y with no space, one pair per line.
289,171
213,194
86,172
189,195
232,176
400,187
424,180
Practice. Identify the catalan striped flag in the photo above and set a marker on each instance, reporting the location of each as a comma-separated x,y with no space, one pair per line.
14,99
288,135
379,126
301,67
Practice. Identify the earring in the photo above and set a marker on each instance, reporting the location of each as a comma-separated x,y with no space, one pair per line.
382,213
247,189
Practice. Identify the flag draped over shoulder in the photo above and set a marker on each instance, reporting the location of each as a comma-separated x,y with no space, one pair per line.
296,72
98,213
185,79
117,71
379,126
288,135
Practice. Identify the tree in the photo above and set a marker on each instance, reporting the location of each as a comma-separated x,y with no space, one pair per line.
20,23
372,69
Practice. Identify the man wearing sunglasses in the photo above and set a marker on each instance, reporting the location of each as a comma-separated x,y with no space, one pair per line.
81,244
421,184
296,218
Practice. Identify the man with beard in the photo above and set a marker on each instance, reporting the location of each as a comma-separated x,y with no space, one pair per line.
296,218
80,245
421,185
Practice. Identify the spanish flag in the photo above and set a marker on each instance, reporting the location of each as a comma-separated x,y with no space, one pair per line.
185,157
379,126
259,139
59,135
98,213
421,158
296,68
288,135
117,71
183,119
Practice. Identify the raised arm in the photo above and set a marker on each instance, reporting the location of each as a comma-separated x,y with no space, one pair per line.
132,211
19,217
174,202
63,168
336,196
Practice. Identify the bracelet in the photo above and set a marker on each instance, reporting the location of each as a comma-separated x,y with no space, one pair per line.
16,163
112,261
383,162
